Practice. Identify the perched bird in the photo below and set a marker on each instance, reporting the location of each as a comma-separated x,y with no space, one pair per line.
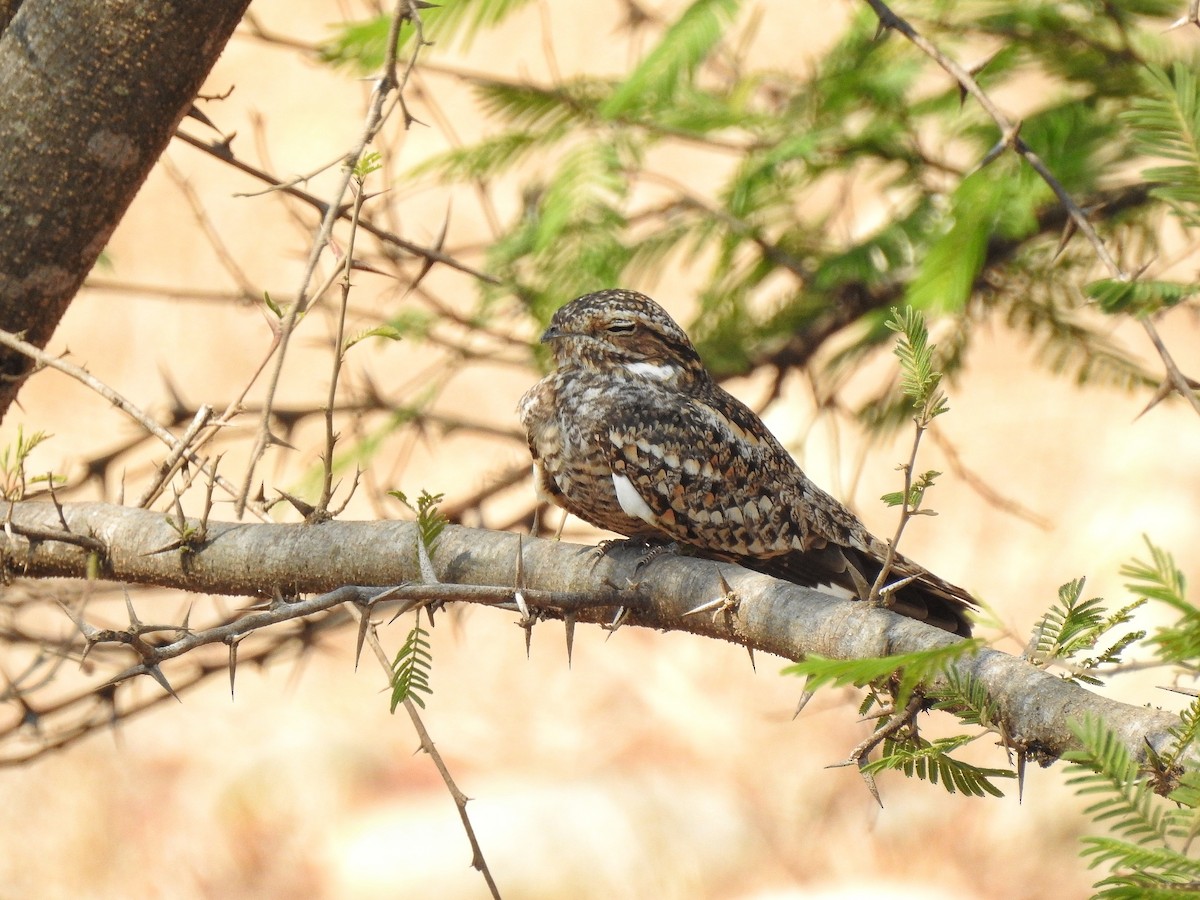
631,434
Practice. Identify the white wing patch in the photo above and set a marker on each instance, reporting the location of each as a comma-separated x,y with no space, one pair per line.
657,371
631,501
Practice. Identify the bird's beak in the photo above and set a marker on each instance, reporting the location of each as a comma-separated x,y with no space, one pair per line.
550,334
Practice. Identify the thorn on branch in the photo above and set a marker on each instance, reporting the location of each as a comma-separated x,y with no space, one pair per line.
233,641
155,672
364,625
1070,226
1192,17
569,628
803,702
1010,139
617,621
726,605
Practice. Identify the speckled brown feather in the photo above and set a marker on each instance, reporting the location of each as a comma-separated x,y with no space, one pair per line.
631,434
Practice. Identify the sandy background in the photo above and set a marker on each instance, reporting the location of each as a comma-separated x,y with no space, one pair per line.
657,766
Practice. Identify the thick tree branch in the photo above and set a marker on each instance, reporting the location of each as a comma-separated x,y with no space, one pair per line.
80,137
771,616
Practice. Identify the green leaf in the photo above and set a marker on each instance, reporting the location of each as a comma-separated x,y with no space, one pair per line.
947,275
1138,297
412,667
1075,626
430,521
362,45
380,331
919,377
676,56
931,761
1141,852
1166,123
912,669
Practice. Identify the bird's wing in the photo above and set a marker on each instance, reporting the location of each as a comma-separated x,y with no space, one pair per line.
706,472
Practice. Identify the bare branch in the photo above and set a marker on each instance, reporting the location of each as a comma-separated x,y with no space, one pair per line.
88,380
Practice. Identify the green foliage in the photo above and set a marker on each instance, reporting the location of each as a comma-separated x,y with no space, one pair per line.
967,698
430,520
272,305
945,280
14,479
919,376
950,242
931,761
567,242
1147,849
358,45
362,45
387,332
916,492
1185,734
1166,122
1160,580
902,676
412,667
683,47
1138,297
414,662
908,671
1074,626
370,161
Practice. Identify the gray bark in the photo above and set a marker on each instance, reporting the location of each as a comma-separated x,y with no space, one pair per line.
141,547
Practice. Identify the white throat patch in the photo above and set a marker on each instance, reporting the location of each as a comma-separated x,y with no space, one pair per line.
657,371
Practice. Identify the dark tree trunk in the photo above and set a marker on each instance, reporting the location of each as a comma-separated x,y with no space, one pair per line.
90,94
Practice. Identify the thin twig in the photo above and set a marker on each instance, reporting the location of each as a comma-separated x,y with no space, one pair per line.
172,462
222,153
387,83
1010,138
88,380
460,799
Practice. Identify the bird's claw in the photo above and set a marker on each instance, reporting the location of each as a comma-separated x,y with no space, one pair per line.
652,551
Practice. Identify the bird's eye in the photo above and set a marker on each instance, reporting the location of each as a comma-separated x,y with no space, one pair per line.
620,326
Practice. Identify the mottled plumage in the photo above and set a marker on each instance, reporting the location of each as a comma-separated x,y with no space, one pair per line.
631,434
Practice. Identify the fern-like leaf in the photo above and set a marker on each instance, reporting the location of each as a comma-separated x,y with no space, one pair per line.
1074,626
412,668
967,697
911,669
1138,297
1103,766
931,761
1159,579
919,377
1166,122
684,45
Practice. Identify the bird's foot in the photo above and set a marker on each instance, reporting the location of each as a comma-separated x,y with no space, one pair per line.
652,550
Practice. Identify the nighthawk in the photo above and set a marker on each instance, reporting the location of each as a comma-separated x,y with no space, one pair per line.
631,434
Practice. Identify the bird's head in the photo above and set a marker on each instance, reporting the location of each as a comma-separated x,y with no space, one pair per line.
623,332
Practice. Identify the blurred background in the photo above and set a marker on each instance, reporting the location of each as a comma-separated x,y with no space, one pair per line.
654,765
